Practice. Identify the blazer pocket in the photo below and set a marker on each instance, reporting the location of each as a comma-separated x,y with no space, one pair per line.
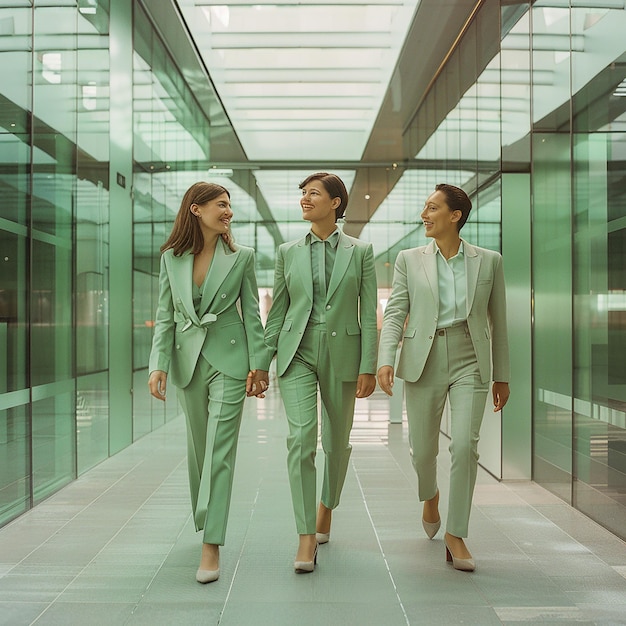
353,330
286,325
409,333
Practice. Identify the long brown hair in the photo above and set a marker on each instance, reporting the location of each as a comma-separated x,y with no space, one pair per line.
186,233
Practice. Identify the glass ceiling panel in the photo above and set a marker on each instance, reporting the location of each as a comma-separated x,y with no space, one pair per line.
304,63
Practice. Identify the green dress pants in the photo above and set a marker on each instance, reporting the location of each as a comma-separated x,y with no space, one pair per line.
451,371
213,404
311,368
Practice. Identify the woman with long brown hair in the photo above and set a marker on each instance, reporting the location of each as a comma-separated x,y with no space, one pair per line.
208,351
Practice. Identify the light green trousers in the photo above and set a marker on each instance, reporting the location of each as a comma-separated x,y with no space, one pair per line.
451,371
310,368
213,404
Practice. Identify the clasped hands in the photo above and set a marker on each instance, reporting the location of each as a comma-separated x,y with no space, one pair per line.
257,383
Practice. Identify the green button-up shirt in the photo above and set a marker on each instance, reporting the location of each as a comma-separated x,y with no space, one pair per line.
323,254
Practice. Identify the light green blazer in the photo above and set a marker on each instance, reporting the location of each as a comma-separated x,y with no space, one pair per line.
351,301
230,341
415,294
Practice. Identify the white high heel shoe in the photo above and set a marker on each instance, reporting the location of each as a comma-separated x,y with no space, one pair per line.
207,575
305,567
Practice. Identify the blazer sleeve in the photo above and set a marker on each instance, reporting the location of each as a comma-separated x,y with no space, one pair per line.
499,332
163,338
278,310
395,315
251,317
368,304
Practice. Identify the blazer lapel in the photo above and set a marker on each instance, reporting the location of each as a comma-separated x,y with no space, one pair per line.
429,257
181,276
345,248
303,260
222,263
472,268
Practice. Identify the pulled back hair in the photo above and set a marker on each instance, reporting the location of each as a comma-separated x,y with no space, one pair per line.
457,200
186,233
335,188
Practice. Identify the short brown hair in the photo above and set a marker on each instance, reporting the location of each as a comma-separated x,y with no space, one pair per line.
457,200
186,233
335,188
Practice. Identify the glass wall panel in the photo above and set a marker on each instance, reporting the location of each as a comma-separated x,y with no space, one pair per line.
552,345
599,268
92,420
13,321
14,462
53,440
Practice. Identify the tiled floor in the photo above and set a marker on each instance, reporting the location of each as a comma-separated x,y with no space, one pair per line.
118,547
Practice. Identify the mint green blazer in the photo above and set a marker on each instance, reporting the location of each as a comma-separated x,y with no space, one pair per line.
351,302
415,294
230,341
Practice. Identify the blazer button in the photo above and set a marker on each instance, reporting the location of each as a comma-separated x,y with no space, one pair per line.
232,341
178,346
223,295
328,307
334,334
431,337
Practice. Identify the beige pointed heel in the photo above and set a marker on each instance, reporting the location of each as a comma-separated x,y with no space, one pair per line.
463,565
306,567
431,528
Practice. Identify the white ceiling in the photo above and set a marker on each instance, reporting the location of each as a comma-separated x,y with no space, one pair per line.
299,77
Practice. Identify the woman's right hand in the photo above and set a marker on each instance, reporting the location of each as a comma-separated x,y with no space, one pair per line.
157,383
385,379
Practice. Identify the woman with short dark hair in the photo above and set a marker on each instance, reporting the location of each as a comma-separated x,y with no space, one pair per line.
448,307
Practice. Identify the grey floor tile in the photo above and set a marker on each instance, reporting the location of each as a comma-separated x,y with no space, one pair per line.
80,614
203,613
20,613
305,613
28,588
449,613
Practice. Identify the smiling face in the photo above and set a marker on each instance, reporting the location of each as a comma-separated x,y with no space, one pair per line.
316,203
439,220
215,215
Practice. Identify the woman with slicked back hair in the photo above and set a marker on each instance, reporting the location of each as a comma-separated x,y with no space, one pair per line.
208,351
322,327
448,307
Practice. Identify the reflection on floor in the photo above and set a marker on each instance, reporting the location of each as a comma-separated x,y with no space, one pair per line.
117,546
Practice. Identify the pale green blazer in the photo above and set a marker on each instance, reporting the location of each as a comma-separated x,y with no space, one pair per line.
350,304
415,295
227,330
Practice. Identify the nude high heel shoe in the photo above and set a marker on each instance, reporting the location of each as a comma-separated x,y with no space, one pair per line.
464,565
305,567
207,575
431,528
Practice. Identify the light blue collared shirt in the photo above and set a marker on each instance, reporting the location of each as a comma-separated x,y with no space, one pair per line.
452,285
323,253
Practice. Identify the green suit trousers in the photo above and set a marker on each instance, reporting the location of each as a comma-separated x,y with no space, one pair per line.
213,405
451,371
311,367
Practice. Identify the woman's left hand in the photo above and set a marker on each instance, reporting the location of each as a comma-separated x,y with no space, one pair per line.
500,395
